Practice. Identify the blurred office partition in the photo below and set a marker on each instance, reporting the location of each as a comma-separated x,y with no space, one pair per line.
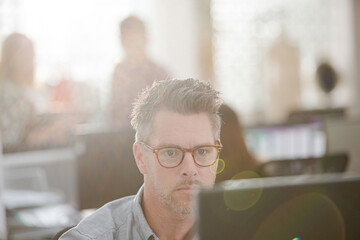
2,208
345,136
105,164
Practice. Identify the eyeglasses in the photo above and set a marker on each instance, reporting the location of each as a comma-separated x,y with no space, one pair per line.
170,157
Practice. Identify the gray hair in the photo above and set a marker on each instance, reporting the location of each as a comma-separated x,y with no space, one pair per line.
189,96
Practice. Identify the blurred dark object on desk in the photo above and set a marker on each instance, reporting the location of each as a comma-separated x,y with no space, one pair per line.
106,165
335,163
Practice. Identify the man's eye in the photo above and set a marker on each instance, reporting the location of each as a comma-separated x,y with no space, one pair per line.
201,151
169,153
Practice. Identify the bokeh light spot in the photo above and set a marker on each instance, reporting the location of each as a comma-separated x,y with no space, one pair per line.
217,167
221,166
242,200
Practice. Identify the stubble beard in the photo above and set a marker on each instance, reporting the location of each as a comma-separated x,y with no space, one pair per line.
167,197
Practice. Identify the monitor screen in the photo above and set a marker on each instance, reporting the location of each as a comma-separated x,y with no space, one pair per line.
302,207
288,141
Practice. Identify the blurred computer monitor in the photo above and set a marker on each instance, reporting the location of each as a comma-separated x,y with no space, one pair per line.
318,207
286,141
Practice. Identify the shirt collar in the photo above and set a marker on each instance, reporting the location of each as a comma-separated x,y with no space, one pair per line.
144,228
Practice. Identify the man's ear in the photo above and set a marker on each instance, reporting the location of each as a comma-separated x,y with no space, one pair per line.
138,151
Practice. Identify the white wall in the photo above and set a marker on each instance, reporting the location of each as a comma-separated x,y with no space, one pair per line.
176,33
342,53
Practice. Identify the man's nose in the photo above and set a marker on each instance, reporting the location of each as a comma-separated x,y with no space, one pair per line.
188,166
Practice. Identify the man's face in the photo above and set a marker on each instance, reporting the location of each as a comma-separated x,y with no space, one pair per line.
174,187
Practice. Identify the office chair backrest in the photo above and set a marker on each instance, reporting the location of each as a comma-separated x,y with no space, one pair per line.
106,167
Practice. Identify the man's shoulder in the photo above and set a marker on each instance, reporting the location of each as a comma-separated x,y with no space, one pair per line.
106,221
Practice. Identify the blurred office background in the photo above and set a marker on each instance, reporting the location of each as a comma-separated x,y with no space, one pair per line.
227,42
263,55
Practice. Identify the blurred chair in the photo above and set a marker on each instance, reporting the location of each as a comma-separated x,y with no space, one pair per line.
335,163
106,166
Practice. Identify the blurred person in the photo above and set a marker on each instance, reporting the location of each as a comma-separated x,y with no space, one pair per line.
235,155
18,114
282,71
134,73
176,149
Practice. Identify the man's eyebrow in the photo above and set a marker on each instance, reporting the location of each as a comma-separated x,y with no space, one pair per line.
178,146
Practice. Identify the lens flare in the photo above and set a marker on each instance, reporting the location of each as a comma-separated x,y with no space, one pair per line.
247,198
221,166
218,167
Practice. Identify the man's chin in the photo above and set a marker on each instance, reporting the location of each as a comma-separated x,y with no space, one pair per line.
182,204
182,209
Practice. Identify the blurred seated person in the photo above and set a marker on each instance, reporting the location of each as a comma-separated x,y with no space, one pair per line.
18,115
235,154
134,73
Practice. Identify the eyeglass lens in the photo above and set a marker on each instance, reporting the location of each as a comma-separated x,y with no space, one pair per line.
203,156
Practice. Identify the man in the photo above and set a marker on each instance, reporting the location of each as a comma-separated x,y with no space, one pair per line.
176,149
134,73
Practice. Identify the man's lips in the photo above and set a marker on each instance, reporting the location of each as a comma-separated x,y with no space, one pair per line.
185,188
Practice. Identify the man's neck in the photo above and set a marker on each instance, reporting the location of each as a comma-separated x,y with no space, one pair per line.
164,222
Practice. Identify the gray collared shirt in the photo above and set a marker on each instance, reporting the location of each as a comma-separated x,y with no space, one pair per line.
119,219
